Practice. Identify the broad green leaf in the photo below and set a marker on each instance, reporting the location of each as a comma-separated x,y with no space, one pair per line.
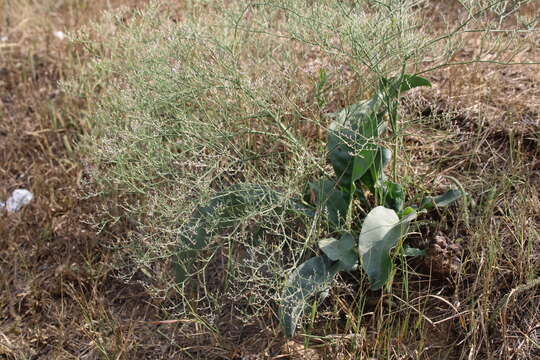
394,196
405,83
351,155
407,211
309,278
223,210
331,248
350,115
352,140
411,81
443,200
333,202
300,207
381,231
377,224
340,156
375,175
341,250
412,252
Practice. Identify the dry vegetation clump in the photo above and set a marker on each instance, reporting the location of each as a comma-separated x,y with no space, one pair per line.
191,108
161,109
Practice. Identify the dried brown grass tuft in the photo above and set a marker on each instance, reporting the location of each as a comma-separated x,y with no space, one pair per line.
57,300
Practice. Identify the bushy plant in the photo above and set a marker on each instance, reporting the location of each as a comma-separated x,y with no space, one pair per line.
187,109
227,97
358,161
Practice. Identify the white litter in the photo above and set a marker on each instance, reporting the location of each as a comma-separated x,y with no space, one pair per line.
18,199
59,35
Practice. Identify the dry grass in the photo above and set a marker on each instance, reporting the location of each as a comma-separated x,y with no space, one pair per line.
60,297
57,300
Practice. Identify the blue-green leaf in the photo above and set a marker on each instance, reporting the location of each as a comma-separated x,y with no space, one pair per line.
298,206
381,231
309,278
341,250
394,196
411,81
412,252
332,201
443,200
352,140
404,83
375,175
222,211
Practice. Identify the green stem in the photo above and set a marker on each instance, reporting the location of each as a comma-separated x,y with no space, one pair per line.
393,94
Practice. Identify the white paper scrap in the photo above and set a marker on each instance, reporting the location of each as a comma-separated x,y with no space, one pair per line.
18,199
